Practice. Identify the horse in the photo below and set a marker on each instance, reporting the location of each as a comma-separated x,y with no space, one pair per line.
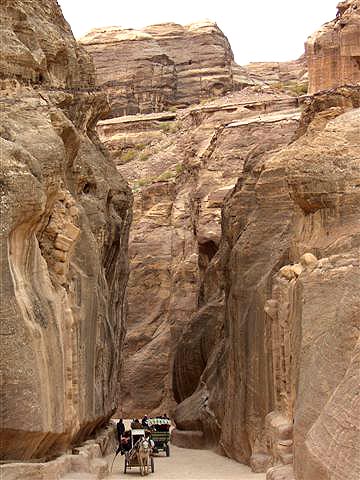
143,450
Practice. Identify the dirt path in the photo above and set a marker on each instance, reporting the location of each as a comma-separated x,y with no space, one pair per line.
184,464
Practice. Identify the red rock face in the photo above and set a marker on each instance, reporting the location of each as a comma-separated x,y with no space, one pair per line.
333,52
243,313
162,66
65,218
180,184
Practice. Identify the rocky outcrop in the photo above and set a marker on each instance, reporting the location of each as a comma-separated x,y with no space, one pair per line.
333,52
179,185
127,137
86,460
289,265
163,66
290,75
65,216
37,46
268,392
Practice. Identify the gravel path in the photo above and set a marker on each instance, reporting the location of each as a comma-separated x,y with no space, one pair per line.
184,464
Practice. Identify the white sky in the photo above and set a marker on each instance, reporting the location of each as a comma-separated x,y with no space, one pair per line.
258,30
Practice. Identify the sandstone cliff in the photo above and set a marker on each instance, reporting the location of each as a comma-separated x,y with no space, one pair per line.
65,216
333,52
37,46
180,180
163,66
250,328
291,75
289,268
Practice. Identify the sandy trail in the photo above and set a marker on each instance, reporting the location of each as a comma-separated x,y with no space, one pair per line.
185,464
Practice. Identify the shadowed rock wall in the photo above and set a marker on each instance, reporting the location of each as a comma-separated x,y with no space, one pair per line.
65,217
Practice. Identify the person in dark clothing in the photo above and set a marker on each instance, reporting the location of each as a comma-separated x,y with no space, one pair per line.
144,421
120,429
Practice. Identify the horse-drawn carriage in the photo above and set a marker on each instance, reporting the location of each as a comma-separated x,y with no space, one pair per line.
161,442
139,444
140,454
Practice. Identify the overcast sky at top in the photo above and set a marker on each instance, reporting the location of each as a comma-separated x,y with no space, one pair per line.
258,30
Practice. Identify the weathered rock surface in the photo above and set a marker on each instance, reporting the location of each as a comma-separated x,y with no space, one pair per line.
127,137
162,66
257,322
289,263
65,215
180,183
37,46
85,461
333,52
292,74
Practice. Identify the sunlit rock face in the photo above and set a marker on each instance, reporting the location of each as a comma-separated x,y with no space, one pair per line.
162,66
65,216
333,52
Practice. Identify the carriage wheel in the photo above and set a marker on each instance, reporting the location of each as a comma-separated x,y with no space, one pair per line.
167,450
152,464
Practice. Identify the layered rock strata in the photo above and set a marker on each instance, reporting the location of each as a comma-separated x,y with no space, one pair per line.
162,66
288,266
180,183
37,46
65,217
292,75
333,52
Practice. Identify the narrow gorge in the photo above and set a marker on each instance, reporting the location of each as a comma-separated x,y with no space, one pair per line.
179,234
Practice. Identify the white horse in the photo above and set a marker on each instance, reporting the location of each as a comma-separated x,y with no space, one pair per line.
143,455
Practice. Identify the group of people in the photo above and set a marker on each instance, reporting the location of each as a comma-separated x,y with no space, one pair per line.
160,423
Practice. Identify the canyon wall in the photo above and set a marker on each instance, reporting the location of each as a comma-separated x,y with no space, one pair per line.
266,369
248,333
243,316
163,66
333,52
65,218
180,179
262,365
287,344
